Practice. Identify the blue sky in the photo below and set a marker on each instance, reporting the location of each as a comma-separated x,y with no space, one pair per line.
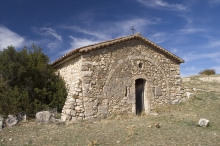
189,28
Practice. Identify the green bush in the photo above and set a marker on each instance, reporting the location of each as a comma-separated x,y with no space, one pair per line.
28,82
207,72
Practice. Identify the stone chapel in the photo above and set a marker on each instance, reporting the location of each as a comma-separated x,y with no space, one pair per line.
130,74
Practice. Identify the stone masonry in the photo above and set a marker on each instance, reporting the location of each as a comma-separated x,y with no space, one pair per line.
101,78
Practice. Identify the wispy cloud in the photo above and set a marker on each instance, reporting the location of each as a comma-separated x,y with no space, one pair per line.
189,70
214,2
191,30
195,56
213,43
97,34
77,43
8,38
46,31
158,4
109,30
159,37
123,27
52,39
105,31
174,50
216,68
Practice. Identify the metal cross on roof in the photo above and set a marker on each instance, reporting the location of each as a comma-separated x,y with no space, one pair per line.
132,28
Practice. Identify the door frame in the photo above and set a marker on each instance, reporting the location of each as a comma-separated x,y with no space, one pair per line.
147,94
139,96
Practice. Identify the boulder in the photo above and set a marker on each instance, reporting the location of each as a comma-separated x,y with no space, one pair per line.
11,120
53,112
22,117
44,116
1,122
175,101
203,122
65,117
188,94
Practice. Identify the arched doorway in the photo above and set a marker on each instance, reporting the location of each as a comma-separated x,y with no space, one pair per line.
139,95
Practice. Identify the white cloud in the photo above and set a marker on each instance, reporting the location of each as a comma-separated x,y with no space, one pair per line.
195,56
159,37
8,38
191,30
53,45
174,50
78,42
46,31
189,71
213,44
97,34
122,28
106,31
109,30
161,4
217,69
214,2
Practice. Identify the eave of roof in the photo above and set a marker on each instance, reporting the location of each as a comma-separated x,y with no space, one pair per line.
78,51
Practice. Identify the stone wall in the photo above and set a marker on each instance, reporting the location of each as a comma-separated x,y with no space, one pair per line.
102,82
203,78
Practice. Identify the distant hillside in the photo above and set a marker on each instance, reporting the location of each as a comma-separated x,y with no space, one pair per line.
210,78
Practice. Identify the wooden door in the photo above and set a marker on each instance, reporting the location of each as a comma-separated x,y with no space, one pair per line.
139,93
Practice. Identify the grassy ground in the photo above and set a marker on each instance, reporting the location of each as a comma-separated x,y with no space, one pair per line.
178,126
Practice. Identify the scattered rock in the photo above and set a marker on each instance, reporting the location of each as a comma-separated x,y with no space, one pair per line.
44,116
154,114
157,125
10,139
149,126
188,94
203,122
93,143
183,100
11,120
53,111
1,122
175,101
65,117
22,117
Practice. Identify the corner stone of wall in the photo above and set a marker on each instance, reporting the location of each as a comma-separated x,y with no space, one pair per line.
73,108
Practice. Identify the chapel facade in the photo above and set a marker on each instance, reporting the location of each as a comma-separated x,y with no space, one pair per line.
125,75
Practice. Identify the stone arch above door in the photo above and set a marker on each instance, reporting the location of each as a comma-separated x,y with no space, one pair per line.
128,58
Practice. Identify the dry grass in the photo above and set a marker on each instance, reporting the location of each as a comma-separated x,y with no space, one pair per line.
178,126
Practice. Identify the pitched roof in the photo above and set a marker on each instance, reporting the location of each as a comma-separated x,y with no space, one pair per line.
88,48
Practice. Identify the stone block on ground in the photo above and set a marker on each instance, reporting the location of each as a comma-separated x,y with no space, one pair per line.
65,117
203,122
1,122
22,117
11,120
175,101
44,116
188,94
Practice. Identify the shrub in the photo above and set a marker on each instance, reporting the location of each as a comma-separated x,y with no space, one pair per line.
207,72
28,82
